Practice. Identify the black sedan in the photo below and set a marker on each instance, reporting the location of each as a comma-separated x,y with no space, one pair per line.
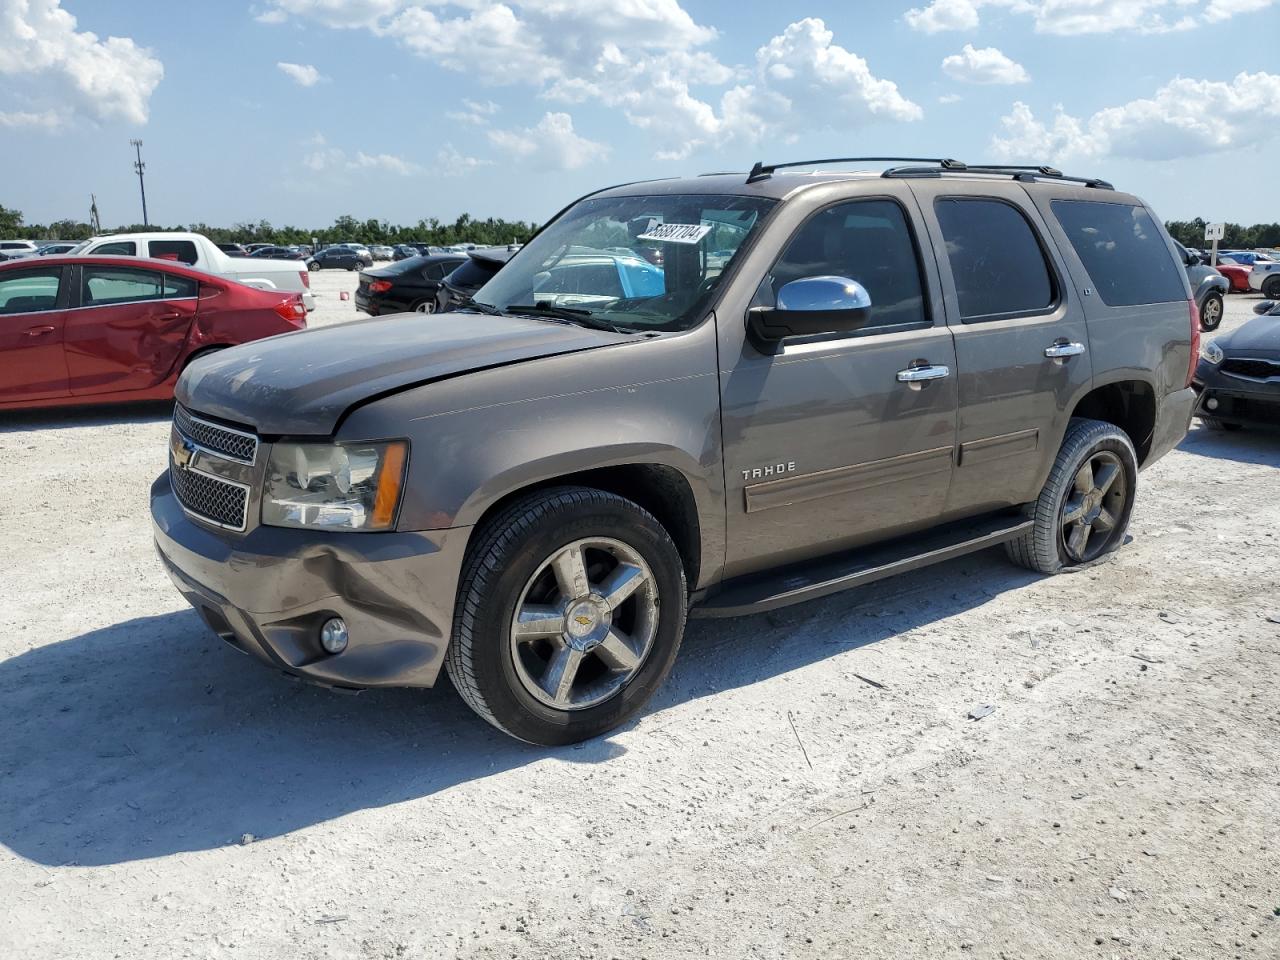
337,258
1238,376
472,274
275,253
405,285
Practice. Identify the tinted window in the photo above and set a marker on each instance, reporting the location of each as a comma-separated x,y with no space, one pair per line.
996,260
473,273
1123,251
30,291
120,248
867,241
176,288
433,271
106,285
183,251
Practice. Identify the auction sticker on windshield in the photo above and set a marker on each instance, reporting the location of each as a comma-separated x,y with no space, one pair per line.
677,233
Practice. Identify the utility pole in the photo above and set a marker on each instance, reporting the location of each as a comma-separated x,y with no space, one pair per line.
94,223
139,166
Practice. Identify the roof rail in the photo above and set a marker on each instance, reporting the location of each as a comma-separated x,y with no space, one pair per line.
1024,173
762,171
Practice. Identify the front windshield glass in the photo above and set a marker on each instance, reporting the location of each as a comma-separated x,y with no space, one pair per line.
633,263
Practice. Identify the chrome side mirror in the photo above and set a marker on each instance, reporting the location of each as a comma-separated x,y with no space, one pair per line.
809,307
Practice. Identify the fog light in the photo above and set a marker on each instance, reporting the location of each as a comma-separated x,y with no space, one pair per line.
333,635
1212,403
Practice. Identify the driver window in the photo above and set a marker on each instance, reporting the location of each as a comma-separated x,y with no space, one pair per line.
864,240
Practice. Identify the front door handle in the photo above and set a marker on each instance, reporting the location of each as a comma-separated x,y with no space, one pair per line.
916,376
1062,349
38,331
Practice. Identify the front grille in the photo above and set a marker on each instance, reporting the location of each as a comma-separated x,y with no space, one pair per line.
232,444
215,500
1255,369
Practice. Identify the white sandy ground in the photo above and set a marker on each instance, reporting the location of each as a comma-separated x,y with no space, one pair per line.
1123,800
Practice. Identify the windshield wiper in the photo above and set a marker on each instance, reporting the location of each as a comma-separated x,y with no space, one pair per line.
583,318
479,307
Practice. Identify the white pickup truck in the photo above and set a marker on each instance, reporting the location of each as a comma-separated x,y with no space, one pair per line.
200,252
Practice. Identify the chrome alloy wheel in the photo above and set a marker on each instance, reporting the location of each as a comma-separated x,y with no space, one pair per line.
1094,507
584,624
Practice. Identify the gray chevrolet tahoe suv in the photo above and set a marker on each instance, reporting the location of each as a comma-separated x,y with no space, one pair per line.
714,395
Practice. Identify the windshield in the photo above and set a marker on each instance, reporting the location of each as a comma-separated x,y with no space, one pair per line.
634,263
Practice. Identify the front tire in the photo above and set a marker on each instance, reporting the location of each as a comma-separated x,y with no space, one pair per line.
313,266
1211,312
570,613
424,306
1083,510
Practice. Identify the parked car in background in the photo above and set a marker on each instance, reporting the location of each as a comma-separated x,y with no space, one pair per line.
381,252
251,247
232,249
56,247
403,251
14,249
406,285
109,329
337,258
199,251
1264,276
276,253
1246,257
469,276
1236,273
1209,287
1238,377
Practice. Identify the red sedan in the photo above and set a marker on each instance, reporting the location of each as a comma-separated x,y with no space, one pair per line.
111,329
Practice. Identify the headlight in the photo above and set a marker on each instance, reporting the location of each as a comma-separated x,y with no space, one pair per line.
350,486
1211,351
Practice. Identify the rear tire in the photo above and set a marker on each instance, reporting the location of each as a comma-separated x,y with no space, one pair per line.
1271,289
424,306
1211,312
1083,510
313,266
547,564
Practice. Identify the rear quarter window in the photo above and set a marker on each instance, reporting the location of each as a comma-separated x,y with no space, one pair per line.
1123,251
181,251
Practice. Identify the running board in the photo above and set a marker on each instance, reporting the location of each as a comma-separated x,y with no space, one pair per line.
828,575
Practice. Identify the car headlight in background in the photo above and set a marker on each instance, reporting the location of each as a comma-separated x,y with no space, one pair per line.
347,486
1211,351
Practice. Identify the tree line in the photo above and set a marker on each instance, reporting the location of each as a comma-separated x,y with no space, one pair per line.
345,229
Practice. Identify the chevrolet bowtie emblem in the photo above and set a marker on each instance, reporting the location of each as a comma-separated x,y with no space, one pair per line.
582,621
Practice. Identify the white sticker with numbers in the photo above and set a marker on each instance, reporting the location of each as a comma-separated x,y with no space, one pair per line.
676,233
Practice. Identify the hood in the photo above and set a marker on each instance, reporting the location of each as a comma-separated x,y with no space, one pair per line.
1260,337
302,383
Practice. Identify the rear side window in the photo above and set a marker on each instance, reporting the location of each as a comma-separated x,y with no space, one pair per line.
183,251
30,291
1123,250
120,248
108,285
996,260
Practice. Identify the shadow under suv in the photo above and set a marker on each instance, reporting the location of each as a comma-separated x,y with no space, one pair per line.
832,377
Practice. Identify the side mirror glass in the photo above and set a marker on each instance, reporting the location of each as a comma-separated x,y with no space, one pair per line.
810,307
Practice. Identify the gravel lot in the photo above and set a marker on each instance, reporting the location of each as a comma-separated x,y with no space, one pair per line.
806,785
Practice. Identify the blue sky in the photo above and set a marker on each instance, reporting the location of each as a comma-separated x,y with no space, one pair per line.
297,111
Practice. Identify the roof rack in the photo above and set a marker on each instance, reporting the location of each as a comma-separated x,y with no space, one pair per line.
762,171
1023,173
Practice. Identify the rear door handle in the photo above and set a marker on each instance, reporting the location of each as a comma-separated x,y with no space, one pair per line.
915,377
38,331
1063,349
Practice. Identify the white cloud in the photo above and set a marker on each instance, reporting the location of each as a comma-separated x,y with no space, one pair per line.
478,113
1219,10
986,65
48,119
303,74
1184,118
451,162
332,13
107,80
947,98
550,145
1066,17
803,82
334,159
643,58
